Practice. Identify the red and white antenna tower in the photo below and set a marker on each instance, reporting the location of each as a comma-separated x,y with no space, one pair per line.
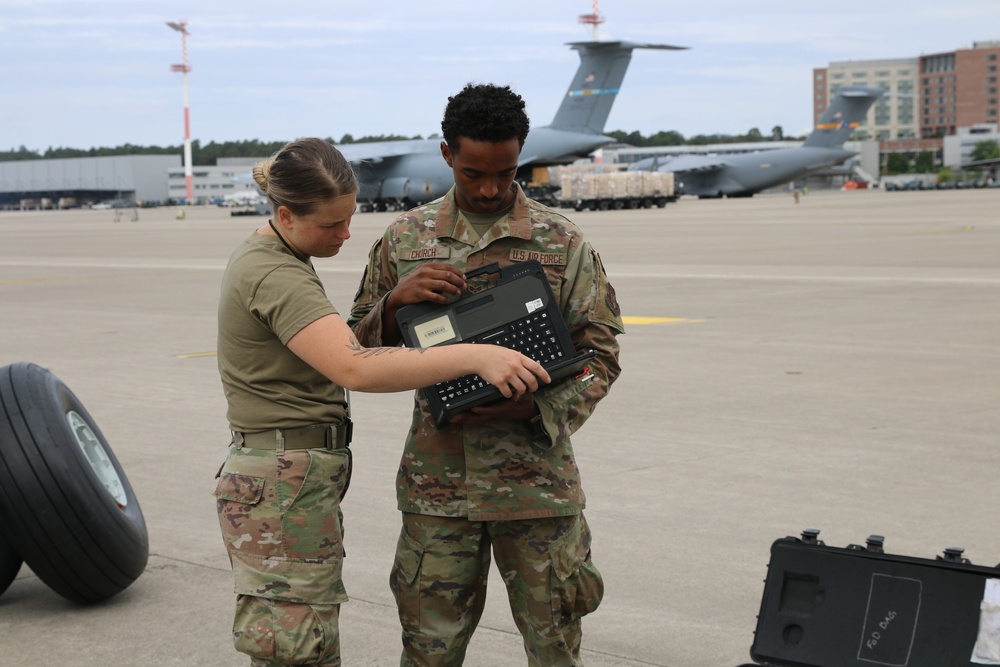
181,27
594,19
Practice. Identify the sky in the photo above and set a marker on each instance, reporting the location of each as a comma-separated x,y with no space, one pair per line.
88,74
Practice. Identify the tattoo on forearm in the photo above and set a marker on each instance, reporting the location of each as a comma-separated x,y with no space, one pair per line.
369,352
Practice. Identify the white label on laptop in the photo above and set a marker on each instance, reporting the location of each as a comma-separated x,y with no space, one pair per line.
434,332
534,305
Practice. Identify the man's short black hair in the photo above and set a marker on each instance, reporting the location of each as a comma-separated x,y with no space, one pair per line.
484,112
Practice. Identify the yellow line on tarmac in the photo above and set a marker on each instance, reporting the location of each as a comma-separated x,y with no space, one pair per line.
656,320
194,355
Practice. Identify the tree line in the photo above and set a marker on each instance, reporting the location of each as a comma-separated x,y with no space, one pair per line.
208,154
672,138
201,155
923,162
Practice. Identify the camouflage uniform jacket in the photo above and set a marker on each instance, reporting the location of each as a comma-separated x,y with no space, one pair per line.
504,470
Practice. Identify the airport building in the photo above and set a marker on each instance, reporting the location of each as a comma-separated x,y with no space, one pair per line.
119,181
72,182
957,148
228,177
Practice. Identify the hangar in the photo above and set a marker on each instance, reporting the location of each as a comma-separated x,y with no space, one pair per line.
71,182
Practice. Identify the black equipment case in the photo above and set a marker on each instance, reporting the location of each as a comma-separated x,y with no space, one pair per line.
839,607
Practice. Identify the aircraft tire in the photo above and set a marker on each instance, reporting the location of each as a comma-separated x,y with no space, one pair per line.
10,563
65,502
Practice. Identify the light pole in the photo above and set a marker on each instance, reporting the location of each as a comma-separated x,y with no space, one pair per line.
594,18
181,27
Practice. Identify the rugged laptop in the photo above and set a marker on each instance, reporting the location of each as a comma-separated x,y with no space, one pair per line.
519,312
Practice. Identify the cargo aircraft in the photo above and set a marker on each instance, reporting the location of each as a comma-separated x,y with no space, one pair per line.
398,174
743,174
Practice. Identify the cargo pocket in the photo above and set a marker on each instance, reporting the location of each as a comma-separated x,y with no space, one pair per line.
286,632
245,489
577,586
404,580
235,496
310,484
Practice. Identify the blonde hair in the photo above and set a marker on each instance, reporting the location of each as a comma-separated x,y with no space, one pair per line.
304,174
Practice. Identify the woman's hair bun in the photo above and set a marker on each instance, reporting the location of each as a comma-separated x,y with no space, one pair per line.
261,172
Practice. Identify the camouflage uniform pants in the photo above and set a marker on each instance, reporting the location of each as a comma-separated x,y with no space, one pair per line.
281,522
440,574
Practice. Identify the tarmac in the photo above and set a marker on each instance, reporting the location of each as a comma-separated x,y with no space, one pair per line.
831,364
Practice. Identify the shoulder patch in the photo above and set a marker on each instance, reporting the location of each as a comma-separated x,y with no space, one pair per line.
612,300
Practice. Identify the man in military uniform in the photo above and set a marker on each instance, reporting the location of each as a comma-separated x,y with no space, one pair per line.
502,476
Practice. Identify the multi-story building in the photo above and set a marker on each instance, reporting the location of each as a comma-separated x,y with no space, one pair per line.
930,97
959,89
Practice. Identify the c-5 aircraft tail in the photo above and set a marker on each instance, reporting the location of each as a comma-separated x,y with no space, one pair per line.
850,104
595,85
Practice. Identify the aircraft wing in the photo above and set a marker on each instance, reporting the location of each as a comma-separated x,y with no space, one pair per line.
694,163
373,152
377,151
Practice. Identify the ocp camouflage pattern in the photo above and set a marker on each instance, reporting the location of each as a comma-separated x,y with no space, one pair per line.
439,581
281,522
504,470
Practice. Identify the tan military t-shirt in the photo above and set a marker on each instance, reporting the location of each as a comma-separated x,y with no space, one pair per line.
269,295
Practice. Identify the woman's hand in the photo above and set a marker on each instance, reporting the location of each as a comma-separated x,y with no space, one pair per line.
511,372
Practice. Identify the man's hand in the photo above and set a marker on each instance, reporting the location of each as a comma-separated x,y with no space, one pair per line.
433,281
521,408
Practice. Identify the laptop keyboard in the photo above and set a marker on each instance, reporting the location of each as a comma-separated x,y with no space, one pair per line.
531,335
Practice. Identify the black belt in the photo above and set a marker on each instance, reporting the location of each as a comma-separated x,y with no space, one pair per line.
318,436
